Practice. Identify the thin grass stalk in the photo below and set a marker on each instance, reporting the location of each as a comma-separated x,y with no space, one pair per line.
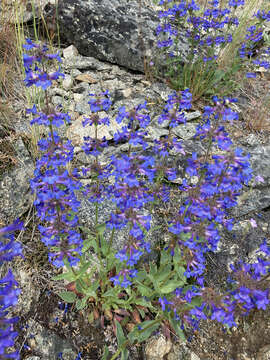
229,53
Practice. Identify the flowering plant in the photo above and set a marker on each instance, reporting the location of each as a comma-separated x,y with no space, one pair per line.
9,290
124,286
208,31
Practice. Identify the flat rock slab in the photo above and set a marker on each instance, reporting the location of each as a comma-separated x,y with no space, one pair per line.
116,31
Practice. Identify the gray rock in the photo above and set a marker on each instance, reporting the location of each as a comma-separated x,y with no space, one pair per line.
82,106
180,351
57,100
193,115
29,292
260,160
155,133
84,63
162,90
185,131
58,91
109,30
15,194
67,82
190,127
157,347
76,132
70,52
48,344
252,200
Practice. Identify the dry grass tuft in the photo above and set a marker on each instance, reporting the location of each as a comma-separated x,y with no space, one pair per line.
257,114
245,15
8,62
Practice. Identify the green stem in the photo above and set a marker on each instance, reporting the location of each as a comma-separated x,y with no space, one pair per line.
111,238
124,345
118,352
96,214
110,245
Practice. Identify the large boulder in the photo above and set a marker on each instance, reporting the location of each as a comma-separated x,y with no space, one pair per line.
116,31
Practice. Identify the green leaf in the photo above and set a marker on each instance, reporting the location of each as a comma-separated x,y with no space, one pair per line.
180,272
105,353
142,313
88,243
91,292
141,275
79,287
140,335
145,291
153,268
160,276
165,258
171,286
67,296
91,317
94,286
65,276
104,246
101,228
66,262
196,301
144,303
112,292
124,354
185,236
176,326
120,334
81,304
219,74
83,269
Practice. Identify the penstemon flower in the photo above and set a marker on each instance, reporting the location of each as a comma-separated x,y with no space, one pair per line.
53,184
137,181
9,291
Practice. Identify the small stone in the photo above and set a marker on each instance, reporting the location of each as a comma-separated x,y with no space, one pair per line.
57,91
57,100
71,107
86,78
155,133
78,97
76,132
67,82
127,92
157,348
193,115
193,356
32,343
70,52
185,131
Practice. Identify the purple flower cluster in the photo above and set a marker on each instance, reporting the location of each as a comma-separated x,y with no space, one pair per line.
211,21
195,228
250,292
53,184
208,33
254,34
8,290
38,75
136,177
210,188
